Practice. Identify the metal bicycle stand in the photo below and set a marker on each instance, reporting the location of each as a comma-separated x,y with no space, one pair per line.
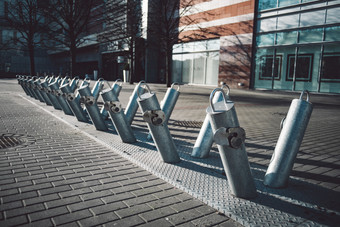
288,144
58,94
205,138
116,89
229,137
114,109
74,102
132,105
155,119
168,103
48,91
91,107
43,93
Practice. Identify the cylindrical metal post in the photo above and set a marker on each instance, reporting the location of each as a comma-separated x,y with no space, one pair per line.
132,106
48,92
58,94
98,86
168,103
116,89
205,137
113,107
43,93
92,108
31,86
289,142
229,138
73,102
155,117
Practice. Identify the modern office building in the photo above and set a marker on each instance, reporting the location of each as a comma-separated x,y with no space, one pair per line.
264,44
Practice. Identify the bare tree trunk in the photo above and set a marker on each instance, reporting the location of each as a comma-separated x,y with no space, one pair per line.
73,54
31,54
168,67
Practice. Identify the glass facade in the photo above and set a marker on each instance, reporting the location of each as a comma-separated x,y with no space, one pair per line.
298,45
196,62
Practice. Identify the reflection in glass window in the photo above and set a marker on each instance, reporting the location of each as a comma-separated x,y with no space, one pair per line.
267,24
288,2
304,65
312,18
332,33
267,4
311,35
266,67
290,21
265,40
333,15
330,67
286,38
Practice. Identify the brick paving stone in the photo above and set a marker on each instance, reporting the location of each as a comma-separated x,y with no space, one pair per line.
15,221
98,219
62,202
47,213
157,214
19,197
210,220
93,195
119,197
130,221
41,223
186,205
72,217
63,188
108,207
157,223
85,205
134,210
24,210
41,199
184,216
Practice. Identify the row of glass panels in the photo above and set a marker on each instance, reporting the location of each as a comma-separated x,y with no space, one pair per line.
312,67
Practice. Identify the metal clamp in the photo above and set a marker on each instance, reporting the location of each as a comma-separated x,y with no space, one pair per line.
173,84
234,137
70,96
146,85
155,117
87,100
225,95
307,94
57,93
113,106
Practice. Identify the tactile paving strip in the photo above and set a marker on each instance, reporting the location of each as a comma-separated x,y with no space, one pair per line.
302,204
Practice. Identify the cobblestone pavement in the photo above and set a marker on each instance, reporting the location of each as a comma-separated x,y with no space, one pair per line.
312,197
58,176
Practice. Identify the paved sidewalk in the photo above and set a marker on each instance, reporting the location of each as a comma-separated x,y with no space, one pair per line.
312,197
58,176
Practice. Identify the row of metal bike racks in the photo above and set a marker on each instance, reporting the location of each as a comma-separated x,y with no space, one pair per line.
221,124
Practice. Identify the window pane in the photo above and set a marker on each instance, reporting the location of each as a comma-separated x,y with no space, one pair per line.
265,40
266,67
312,18
303,67
330,67
187,68
286,37
212,68
332,34
311,35
290,21
267,4
199,69
267,24
288,2
333,15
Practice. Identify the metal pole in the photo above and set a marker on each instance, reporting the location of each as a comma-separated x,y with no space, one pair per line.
74,102
114,108
43,93
288,144
48,92
205,137
91,107
155,119
116,89
229,137
58,94
132,106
